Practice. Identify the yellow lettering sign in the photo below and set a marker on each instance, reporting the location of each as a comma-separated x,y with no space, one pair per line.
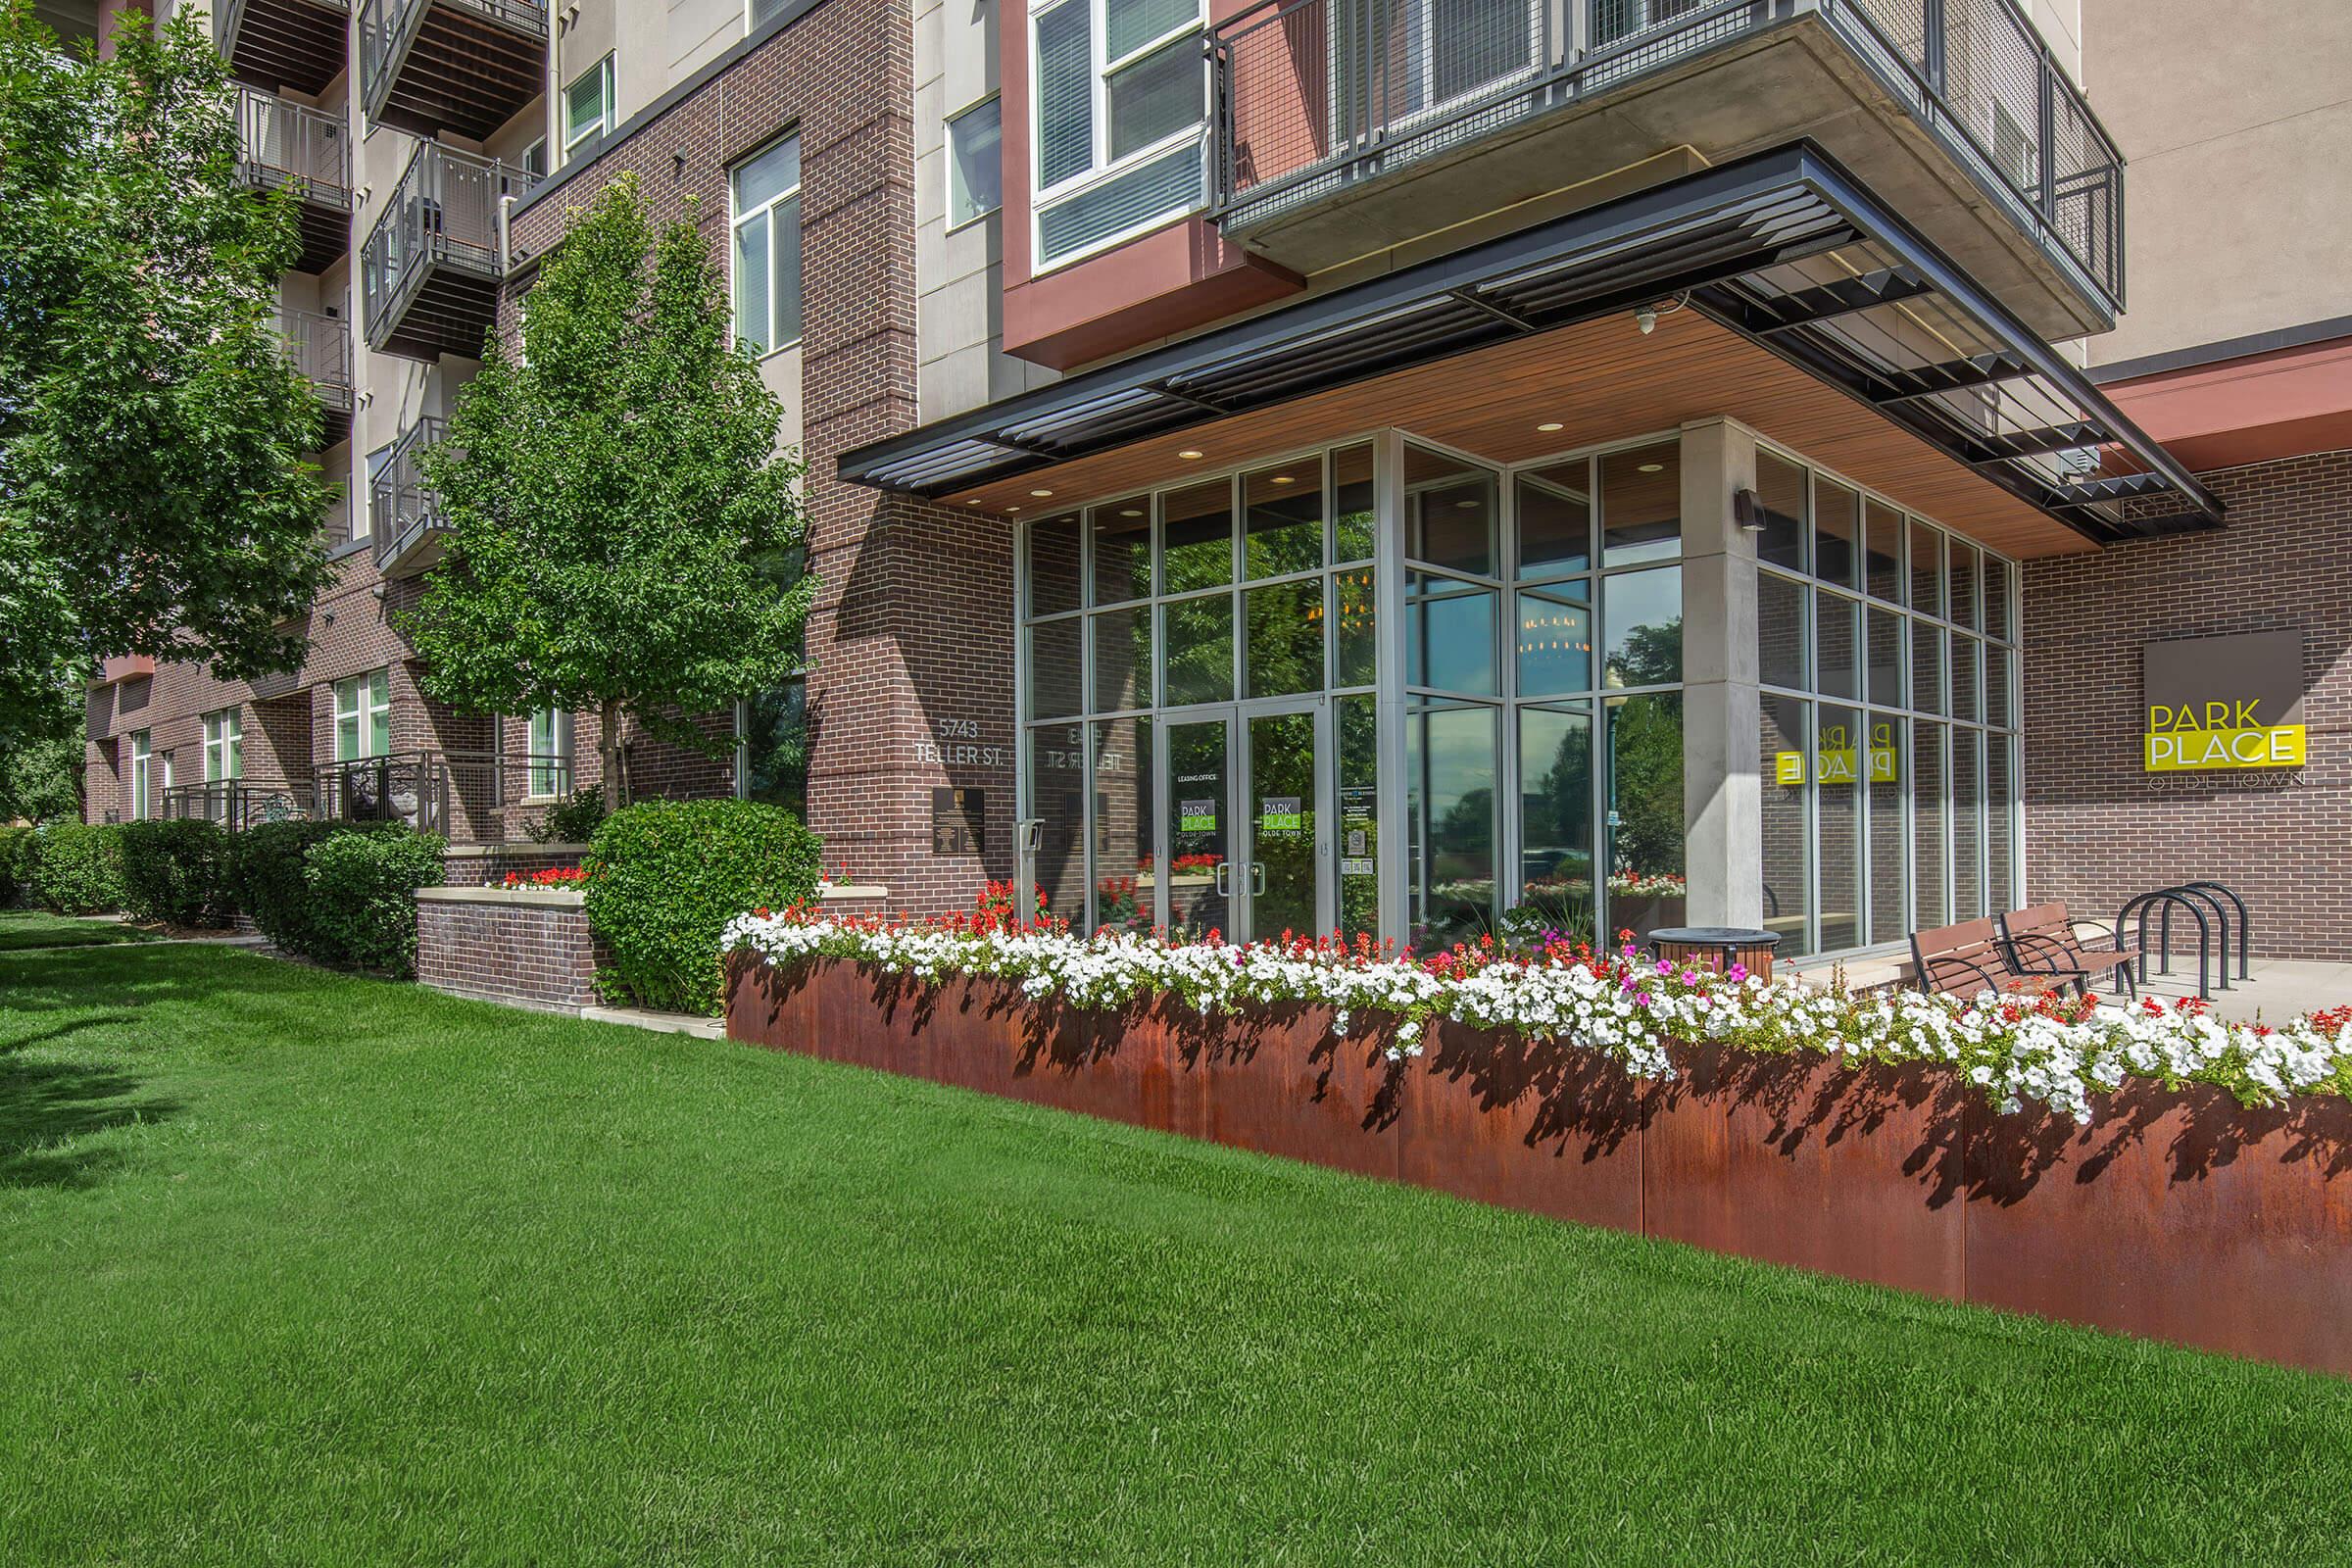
2189,751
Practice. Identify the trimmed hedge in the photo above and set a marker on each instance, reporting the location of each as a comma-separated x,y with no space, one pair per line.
13,842
265,878
175,872
363,894
74,868
664,877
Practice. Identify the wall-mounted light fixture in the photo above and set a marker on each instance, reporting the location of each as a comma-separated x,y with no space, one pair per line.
1748,510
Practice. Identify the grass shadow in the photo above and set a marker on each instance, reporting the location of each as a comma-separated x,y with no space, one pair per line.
49,1111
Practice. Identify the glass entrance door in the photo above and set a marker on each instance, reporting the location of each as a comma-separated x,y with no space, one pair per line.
1246,826
1283,850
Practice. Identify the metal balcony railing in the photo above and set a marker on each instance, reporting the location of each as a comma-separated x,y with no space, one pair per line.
281,142
443,213
319,346
402,508
1311,96
237,803
465,796
388,29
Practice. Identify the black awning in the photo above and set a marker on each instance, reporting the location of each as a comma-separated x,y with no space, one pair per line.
1784,249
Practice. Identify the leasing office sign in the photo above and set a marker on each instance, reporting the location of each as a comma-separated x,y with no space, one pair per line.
2224,702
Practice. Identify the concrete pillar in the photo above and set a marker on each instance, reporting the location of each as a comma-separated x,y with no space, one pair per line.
1722,794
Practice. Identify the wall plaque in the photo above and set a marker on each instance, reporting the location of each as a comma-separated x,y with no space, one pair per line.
958,821
2222,703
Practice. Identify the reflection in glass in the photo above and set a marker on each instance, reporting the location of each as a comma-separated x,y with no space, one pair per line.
1555,640
1122,533
1450,809
1057,799
1284,653
1279,808
1836,533
1643,814
1352,517
1964,675
1999,663
1555,816
1883,551
1643,612
1358,793
1884,657
1927,570
1123,825
1890,830
1928,848
1780,630
1555,520
1642,505
1842,764
1926,667
1785,767
1996,600
1450,512
1449,635
1838,632
1282,519
1781,494
1198,806
1961,578
1054,668
1357,643
2000,797
1198,635
1122,659
1968,825
1195,547
1053,564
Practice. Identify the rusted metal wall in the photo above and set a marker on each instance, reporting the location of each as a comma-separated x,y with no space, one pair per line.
2177,1215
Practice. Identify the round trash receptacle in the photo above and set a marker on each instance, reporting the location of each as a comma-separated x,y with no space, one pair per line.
1717,946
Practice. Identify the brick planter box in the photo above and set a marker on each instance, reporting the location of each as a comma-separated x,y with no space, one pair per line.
530,947
2179,1216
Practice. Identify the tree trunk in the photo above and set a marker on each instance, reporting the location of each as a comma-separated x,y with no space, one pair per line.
608,741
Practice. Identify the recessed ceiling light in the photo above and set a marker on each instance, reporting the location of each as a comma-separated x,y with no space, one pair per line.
1653,468
1013,509
1551,425
975,500
1188,454
1284,479
1131,512
1465,505
1041,494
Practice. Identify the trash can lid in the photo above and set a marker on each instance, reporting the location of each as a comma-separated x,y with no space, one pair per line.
1717,936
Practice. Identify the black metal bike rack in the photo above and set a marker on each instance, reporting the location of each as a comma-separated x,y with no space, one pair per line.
2221,923
2244,925
2172,898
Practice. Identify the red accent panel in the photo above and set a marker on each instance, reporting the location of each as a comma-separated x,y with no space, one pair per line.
2284,404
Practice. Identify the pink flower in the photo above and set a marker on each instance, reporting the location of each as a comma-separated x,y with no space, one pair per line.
1738,972
1665,966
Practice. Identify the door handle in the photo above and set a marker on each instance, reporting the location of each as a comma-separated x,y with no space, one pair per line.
1257,877
1223,891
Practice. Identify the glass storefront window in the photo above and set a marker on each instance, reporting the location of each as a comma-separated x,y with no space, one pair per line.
1889,791
1054,565
1122,541
1968,825
1196,537
1449,635
1927,570
1053,666
1785,768
1056,798
1883,551
1965,651
1882,658
1122,655
1449,807
1353,509
1961,584
1282,519
1124,824
1642,505
1837,534
1197,636
1643,612
1357,795
1780,495
1643,815
1356,643
1451,513
1555,640
2000,801
1555,520
1931,843
1837,624
1926,667
1780,630
1284,652
1840,764
1996,600
1555,816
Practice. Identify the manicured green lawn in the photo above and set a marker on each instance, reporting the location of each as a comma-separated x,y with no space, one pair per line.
304,1269
21,929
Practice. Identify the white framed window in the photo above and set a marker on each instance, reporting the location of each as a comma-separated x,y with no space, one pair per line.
757,12
588,104
550,746
142,763
223,746
765,191
1122,105
534,159
975,162
363,717
363,510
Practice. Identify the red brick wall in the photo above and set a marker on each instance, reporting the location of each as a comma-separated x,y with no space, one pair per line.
541,956
2099,829
911,630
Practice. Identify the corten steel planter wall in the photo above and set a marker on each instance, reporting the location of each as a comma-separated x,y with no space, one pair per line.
2180,1216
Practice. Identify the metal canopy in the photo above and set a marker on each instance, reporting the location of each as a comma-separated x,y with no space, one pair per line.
1784,249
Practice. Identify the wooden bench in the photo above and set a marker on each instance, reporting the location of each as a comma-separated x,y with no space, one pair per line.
2045,940
1960,961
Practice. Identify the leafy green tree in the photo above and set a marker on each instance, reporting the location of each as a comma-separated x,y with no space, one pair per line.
153,493
624,532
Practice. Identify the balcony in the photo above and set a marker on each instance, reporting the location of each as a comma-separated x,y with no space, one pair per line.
319,347
431,269
237,803
461,67
465,796
300,44
281,143
1347,126
403,510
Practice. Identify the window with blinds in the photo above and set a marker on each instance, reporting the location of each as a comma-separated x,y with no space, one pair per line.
1121,93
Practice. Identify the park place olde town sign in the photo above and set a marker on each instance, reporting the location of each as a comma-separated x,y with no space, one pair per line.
2224,702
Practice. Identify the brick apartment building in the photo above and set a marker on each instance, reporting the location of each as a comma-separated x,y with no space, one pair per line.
1362,464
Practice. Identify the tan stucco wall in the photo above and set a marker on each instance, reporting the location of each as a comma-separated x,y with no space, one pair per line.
2236,122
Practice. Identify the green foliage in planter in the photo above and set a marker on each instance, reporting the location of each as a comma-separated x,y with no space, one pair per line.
13,843
175,872
363,891
664,877
573,819
75,869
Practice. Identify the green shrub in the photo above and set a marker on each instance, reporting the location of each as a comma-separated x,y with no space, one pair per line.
12,844
174,872
265,878
363,892
573,819
664,877
75,869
